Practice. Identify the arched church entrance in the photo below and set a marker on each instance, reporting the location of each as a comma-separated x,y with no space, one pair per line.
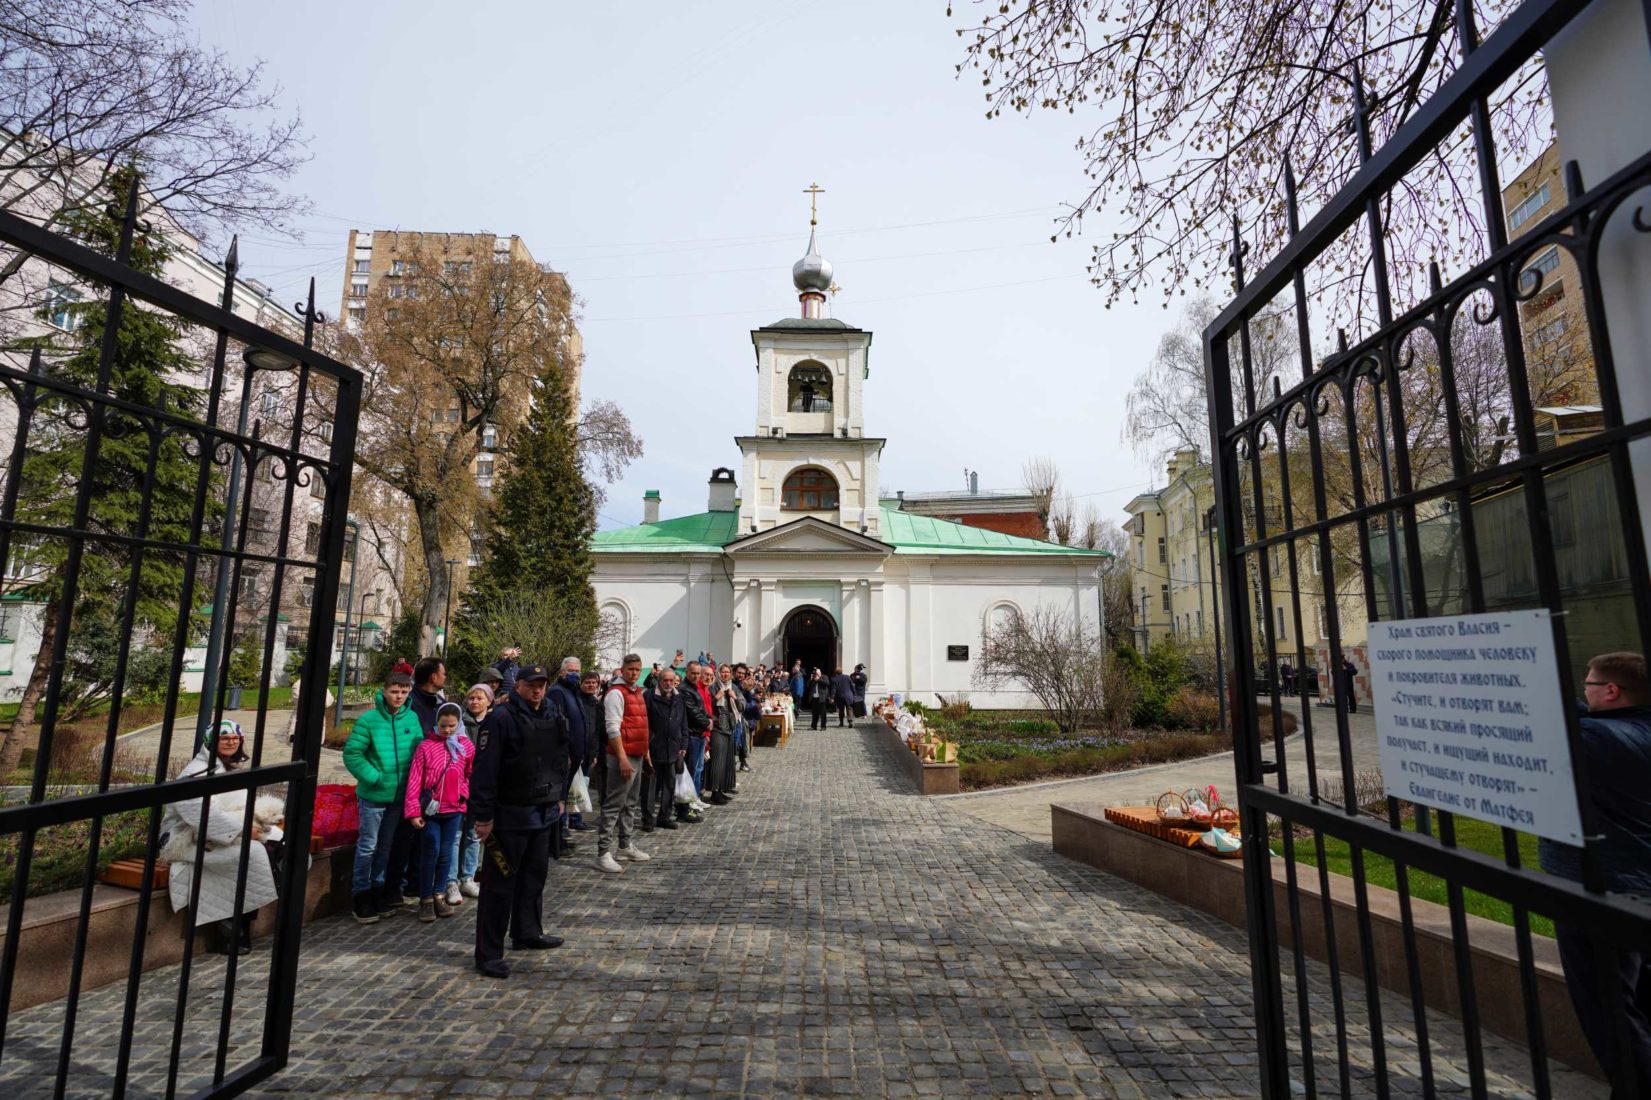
809,635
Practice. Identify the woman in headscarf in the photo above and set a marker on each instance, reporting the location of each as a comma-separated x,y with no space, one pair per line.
220,863
727,711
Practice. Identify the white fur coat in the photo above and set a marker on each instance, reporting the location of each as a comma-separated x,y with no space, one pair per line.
224,819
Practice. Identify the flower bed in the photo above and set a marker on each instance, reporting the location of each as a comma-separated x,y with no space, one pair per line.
995,750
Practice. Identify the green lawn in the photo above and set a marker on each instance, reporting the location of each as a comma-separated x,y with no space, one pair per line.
1478,836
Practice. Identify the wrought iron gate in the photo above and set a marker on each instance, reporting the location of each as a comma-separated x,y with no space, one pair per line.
168,450
1324,482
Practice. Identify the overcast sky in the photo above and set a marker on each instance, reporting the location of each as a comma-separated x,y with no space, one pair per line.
657,154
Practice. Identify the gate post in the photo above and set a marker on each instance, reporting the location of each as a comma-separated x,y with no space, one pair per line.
1599,71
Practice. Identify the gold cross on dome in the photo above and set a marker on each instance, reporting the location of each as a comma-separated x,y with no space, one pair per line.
813,191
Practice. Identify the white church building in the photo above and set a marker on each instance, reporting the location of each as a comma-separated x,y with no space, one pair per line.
810,562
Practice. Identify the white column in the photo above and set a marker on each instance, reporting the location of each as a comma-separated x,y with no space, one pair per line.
769,642
1600,73
848,650
878,684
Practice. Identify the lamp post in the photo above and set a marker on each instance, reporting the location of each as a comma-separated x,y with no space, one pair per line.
447,619
361,634
255,360
349,603
1215,614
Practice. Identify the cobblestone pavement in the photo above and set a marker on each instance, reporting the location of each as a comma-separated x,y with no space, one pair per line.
1025,809
830,933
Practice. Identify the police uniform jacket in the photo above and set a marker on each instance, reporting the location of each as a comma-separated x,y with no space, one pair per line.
522,765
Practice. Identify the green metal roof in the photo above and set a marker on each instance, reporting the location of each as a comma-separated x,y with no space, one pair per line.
708,532
704,533
914,534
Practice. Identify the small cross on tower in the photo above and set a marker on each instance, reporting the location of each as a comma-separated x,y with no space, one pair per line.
813,191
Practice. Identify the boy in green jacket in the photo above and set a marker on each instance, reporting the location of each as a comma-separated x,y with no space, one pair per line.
379,754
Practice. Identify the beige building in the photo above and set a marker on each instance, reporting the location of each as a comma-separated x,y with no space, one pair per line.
1558,353
1178,593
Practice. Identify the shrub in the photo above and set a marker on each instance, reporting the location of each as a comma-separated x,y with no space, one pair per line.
955,708
246,661
1194,709
915,706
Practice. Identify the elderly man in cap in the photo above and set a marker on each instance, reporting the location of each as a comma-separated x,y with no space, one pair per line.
522,765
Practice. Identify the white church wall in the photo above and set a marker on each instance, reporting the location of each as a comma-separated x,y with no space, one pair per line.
670,603
947,602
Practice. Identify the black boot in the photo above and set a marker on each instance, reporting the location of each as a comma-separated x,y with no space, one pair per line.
387,899
366,910
245,944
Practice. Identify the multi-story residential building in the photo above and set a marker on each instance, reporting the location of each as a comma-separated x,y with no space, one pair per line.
36,304
1178,591
1150,557
1559,355
389,259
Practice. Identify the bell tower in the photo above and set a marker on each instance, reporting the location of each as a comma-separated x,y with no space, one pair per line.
809,454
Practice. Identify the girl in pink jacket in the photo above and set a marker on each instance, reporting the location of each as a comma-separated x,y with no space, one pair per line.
438,791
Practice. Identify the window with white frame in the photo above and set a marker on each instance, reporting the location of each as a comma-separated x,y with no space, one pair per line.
1528,208
362,267
59,297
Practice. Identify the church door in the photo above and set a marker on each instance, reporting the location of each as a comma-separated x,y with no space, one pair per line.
810,636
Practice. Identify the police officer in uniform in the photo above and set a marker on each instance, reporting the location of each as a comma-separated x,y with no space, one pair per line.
521,771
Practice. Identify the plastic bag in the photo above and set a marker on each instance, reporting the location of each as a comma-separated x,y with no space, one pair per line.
579,793
685,792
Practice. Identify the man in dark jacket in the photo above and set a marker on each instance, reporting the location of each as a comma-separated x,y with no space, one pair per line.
842,696
667,744
516,800
429,677
565,696
1616,755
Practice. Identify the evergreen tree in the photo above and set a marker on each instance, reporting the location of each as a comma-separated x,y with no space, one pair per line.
539,533
135,467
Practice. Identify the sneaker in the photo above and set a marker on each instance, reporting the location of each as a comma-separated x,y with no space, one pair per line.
693,817
365,911
442,908
454,897
427,911
387,900
634,854
606,862
698,807
469,889
745,767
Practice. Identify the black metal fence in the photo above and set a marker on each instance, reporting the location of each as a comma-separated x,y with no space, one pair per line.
121,540
1335,499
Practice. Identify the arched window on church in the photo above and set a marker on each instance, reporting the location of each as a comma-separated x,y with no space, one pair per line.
810,388
809,489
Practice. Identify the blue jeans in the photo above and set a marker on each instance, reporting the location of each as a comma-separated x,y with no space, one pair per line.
436,842
379,821
466,852
696,759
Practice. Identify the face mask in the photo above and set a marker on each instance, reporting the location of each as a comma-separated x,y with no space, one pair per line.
573,679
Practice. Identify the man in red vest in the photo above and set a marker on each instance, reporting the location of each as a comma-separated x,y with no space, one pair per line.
625,716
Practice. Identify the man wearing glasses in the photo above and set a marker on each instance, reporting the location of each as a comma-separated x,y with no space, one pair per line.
1616,755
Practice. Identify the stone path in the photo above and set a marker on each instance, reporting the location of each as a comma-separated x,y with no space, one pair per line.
1025,809
830,933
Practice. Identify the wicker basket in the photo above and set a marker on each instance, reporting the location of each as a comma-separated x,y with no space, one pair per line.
1172,809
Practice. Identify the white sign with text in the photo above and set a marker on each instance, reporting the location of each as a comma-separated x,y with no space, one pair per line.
1469,718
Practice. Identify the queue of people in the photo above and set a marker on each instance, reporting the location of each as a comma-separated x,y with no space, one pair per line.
468,799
